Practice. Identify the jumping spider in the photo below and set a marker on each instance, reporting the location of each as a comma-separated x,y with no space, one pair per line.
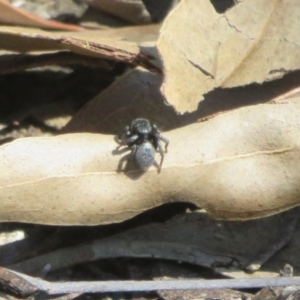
143,139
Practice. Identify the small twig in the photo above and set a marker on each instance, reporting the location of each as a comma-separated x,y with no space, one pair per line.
54,288
12,283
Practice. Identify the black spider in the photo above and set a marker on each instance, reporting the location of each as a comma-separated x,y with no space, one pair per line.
143,139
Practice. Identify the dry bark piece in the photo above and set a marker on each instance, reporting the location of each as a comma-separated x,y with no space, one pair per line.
240,165
193,238
202,49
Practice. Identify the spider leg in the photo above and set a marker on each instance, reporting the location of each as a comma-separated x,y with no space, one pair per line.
131,157
161,152
132,154
165,140
158,137
128,140
123,161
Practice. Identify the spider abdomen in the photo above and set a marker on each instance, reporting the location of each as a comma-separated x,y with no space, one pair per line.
145,156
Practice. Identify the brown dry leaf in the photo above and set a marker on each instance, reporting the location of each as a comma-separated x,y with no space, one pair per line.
239,165
255,41
94,43
10,14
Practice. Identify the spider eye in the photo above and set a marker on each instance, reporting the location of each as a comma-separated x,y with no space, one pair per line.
154,128
127,130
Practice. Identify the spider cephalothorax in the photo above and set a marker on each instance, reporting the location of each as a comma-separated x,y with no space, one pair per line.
143,138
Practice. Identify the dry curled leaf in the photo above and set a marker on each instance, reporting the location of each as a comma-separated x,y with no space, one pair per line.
239,165
255,41
94,43
11,63
134,95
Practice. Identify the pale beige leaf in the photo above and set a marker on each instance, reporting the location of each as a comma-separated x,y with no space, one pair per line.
239,165
255,41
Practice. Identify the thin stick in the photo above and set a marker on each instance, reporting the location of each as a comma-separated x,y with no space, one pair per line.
54,288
